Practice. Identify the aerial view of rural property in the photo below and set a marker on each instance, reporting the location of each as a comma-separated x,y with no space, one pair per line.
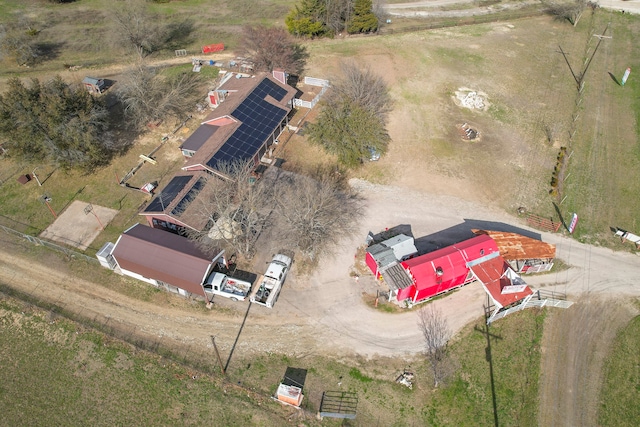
320,213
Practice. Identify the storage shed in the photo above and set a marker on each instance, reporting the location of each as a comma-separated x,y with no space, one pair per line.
93,85
163,259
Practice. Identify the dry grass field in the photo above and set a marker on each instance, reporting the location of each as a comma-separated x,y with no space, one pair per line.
533,109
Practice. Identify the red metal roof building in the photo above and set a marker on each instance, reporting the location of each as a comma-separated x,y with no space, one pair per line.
162,258
504,286
442,270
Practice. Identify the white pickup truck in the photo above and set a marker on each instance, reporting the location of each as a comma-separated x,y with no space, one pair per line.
223,285
269,285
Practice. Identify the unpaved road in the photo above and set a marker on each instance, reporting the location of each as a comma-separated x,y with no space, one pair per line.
324,312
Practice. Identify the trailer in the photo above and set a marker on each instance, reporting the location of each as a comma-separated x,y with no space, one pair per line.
270,283
228,287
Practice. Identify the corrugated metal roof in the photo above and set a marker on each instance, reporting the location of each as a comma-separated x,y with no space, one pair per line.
396,277
163,256
392,250
452,260
492,273
515,246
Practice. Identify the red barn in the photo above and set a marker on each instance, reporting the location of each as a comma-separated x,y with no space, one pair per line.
445,269
423,277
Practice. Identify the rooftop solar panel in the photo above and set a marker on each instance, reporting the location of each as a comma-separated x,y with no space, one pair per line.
168,193
188,198
258,120
267,87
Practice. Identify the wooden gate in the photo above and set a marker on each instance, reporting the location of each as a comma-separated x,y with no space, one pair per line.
547,224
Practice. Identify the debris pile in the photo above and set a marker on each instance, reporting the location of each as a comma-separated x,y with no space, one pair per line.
468,133
406,379
474,100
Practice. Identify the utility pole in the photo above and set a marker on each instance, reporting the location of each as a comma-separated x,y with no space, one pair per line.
600,38
580,77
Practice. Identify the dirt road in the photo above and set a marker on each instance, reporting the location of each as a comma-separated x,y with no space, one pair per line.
325,312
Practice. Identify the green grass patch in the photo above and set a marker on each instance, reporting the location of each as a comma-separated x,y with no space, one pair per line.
78,375
357,375
62,378
515,357
621,385
458,56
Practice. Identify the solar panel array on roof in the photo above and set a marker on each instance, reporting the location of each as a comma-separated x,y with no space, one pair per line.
199,137
168,194
188,198
259,118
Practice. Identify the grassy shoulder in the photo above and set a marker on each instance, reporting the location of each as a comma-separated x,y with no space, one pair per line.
79,376
64,374
621,387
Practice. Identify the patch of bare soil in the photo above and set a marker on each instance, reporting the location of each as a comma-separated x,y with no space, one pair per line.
575,344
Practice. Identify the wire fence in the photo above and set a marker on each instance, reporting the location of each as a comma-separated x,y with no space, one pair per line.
70,253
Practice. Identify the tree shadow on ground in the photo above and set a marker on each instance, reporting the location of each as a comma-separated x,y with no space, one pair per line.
48,51
179,35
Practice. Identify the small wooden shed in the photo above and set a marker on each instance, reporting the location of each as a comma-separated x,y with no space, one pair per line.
93,85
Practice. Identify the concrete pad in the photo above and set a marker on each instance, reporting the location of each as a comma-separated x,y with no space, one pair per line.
78,225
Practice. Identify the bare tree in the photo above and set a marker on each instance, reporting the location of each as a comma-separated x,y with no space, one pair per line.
378,9
137,28
314,214
571,11
364,88
237,206
436,335
270,48
338,14
148,96
353,115
18,39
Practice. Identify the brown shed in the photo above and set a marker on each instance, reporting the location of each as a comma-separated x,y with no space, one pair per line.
163,258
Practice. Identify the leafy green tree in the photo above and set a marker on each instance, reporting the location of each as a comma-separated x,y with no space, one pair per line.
55,122
363,20
352,118
307,19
